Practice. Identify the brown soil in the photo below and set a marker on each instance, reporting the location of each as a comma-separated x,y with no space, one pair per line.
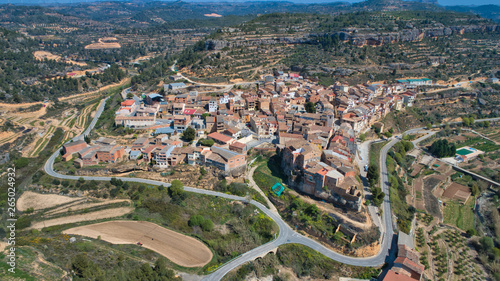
103,214
40,55
368,251
104,45
213,15
431,202
181,249
85,206
39,201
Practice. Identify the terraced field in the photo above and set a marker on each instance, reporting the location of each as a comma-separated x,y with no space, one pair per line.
9,138
85,115
52,209
40,144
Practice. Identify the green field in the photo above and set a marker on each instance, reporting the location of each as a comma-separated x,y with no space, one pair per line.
461,216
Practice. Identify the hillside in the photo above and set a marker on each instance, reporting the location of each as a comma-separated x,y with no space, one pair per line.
358,46
486,11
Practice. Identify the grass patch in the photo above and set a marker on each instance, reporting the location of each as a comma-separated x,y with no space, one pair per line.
479,143
375,153
268,173
459,215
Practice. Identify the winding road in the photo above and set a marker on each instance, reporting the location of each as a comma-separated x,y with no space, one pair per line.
286,233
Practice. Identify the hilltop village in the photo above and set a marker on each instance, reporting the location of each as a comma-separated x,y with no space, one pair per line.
314,129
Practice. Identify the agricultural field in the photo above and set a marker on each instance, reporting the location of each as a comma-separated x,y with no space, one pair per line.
460,215
216,222
446,252
180,249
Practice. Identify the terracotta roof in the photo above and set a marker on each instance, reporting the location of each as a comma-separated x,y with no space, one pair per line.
220,137
127,103
238,144
393,276
418,268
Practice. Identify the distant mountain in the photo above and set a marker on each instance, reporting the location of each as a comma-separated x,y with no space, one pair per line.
485,11
140,13
395,5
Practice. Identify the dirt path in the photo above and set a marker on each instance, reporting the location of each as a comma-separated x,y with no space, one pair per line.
179,248
104,88
103,214
18,105
84,206
252,184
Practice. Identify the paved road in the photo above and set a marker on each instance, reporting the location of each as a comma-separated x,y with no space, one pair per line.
94,121
286,234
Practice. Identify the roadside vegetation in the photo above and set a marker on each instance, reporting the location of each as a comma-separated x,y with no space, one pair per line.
303,262
398,164
227,227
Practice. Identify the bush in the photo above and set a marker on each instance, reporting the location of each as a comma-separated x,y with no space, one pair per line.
206,142
21,163
198,220
207,225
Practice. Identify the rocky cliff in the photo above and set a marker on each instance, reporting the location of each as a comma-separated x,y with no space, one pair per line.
358,39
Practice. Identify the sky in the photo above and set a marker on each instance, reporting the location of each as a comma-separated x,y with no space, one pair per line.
441,2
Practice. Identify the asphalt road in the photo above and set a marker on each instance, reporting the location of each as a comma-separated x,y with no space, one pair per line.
286,234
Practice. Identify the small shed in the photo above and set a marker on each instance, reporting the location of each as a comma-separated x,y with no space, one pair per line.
278,188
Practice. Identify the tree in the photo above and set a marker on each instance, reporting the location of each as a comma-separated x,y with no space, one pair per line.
441,148
130,95
471,232
189,134
487,243
362,137
475,189
116,182
378,196
87,139
465,121
312,210
176,190
372,175
486,124
310,108
428,126
471,120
